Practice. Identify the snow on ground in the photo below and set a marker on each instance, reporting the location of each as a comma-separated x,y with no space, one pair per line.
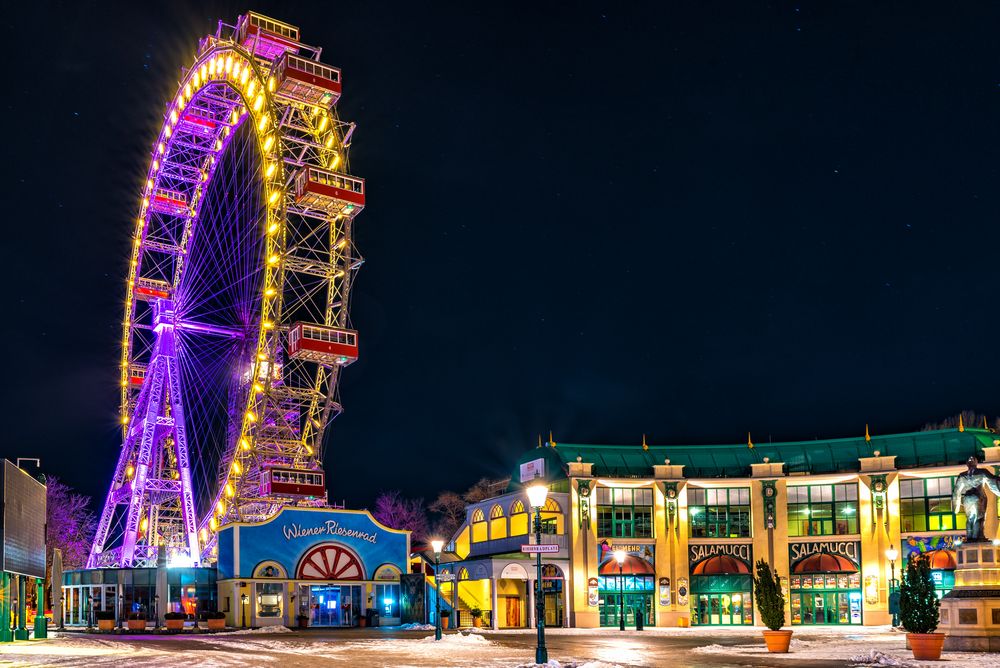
556,664
890,650
413,627
264,630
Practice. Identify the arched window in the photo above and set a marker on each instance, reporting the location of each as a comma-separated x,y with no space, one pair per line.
552,517
463,573
518,519
479,526
498,523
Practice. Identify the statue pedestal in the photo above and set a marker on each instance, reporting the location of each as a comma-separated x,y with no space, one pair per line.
970,613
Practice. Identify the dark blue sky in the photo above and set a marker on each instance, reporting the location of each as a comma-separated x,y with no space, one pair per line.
690,220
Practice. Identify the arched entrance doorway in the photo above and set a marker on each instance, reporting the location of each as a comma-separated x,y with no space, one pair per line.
553,586
825,589
333,602
721,592
512,600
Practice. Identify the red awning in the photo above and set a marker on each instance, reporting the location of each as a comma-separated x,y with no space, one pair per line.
825,563
633,565
721,564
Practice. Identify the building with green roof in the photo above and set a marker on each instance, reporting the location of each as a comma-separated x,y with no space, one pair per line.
689,521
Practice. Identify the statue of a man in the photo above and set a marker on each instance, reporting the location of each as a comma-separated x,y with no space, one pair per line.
970,494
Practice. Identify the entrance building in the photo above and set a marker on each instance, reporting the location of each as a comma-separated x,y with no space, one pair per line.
329,566
693,520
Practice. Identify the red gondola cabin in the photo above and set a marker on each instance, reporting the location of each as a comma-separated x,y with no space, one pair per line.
325,345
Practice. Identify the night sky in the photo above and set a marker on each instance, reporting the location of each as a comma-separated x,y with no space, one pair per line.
685,220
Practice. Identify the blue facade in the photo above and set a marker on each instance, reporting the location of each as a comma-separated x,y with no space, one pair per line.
287,539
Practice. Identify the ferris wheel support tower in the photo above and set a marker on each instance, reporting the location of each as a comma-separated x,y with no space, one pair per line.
237,296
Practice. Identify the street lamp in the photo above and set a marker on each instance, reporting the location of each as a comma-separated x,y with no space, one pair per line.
620,558
243,600
536,498
156,612
892,554
121,610
437,545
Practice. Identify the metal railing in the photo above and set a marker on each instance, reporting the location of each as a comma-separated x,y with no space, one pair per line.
464,618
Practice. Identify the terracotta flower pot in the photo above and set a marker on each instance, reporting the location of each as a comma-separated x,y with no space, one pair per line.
444,622
777,641
216,624
175,624
477,622
926,646
137,625
105,625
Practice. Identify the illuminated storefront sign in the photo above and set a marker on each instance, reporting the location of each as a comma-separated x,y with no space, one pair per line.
843,548
701,552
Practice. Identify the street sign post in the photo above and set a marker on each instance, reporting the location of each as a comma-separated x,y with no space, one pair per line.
544,548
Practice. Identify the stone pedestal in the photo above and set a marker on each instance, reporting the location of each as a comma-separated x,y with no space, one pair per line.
970,613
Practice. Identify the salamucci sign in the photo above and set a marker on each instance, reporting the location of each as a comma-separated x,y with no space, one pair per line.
699,553
841,548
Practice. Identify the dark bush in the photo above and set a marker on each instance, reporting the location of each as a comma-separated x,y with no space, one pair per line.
175,615
212,615
104,614
137,615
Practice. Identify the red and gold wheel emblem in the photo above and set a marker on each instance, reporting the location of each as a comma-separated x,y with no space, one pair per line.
330,562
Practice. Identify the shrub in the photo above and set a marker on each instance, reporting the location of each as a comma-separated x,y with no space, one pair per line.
104,614
918,605
476,613
213,615
175,615
137,615
446,613
767,592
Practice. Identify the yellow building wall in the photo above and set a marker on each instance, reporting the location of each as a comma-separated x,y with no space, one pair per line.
583,556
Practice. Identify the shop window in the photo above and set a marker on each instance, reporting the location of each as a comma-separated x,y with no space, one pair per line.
518,519
624,513
269,595
463,573
479,526
498,523
462,543
925,505
823,510
719,513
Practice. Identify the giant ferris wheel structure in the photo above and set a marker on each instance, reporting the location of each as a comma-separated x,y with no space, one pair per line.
236,323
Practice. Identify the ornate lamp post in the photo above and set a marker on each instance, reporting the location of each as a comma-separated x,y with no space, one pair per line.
243,602
620,558
536,497
437,545
121,610
892,554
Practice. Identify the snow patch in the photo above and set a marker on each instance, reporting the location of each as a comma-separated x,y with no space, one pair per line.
261,631
460,639
552,663
413,626
874,657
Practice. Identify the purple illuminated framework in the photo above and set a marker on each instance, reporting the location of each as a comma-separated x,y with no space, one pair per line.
244,234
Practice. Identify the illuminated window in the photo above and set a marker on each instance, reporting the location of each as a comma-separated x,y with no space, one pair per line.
518,519
925,505
479,526
624,513
498,523
823,510
463,573
719,513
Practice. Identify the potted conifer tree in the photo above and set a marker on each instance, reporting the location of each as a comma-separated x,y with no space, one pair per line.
771,607
477,617
918,611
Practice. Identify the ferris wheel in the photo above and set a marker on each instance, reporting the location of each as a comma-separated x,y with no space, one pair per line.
236,321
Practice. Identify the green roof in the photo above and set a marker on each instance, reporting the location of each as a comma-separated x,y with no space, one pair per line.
838,455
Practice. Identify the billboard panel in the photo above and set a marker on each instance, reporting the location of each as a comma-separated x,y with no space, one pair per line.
23,531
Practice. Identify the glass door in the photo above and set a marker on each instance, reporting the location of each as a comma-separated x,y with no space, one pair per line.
325,604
